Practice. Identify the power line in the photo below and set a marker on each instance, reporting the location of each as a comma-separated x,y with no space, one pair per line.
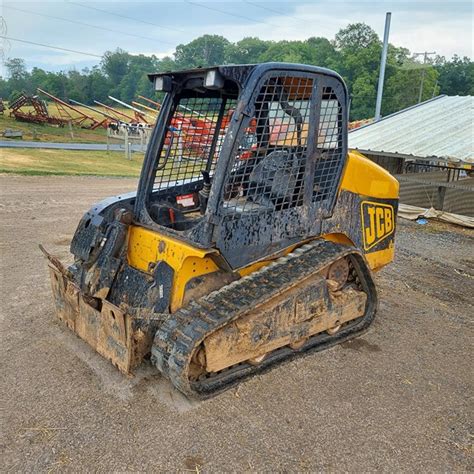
274,11
230,14
51,47
126,17
280,13
85,24
246,17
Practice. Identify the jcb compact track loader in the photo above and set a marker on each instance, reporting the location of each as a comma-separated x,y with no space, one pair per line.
251,237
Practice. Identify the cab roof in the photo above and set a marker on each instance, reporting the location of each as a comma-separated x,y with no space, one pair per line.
241,72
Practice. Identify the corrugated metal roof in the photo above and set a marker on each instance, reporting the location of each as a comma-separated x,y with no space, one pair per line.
441,127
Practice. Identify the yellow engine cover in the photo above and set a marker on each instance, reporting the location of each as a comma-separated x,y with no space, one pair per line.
377,192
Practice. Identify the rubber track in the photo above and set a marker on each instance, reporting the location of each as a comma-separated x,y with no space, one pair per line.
183,331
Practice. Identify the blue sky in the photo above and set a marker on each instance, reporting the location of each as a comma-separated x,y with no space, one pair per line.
158,26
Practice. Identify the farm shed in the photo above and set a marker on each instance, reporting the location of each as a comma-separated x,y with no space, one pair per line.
429,148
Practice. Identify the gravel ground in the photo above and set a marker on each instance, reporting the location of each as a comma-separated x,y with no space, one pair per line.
398,398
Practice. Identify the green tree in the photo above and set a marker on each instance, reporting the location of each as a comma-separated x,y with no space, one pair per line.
359,50
97,86
57,84
321,52
356,36
16,68
363,97
17,73
354,53
246,51
402,87
138,68
144,87
115,64
166,64
38,78
285,51
207,50
77,86
456,77
5,90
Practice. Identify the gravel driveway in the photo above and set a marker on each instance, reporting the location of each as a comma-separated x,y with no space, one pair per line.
399,398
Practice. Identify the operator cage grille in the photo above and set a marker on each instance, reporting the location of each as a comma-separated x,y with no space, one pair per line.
269,169
193,139
268,165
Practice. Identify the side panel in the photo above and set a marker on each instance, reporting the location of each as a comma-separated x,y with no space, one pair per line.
146,248
366,210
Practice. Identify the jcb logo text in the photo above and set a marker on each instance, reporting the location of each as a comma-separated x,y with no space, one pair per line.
377,222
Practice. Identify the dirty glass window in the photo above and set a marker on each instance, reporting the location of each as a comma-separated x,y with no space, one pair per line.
268,169
193,139
329,159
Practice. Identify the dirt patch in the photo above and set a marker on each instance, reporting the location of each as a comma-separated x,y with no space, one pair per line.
194,463
397,399
65,240
360,345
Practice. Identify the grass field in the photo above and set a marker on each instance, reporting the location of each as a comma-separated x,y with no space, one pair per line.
48,133
38,162
66,162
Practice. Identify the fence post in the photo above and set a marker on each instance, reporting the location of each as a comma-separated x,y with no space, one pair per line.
125,142
440,200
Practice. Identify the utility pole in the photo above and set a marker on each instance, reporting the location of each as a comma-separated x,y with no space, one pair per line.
425,55
383,62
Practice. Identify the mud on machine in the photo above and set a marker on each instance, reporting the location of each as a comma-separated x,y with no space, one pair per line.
251,238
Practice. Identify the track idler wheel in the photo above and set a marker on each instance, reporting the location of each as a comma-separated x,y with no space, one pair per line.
338,273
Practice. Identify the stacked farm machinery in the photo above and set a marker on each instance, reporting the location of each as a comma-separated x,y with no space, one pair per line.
139,115
32,109
26,108
189,127
72,114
